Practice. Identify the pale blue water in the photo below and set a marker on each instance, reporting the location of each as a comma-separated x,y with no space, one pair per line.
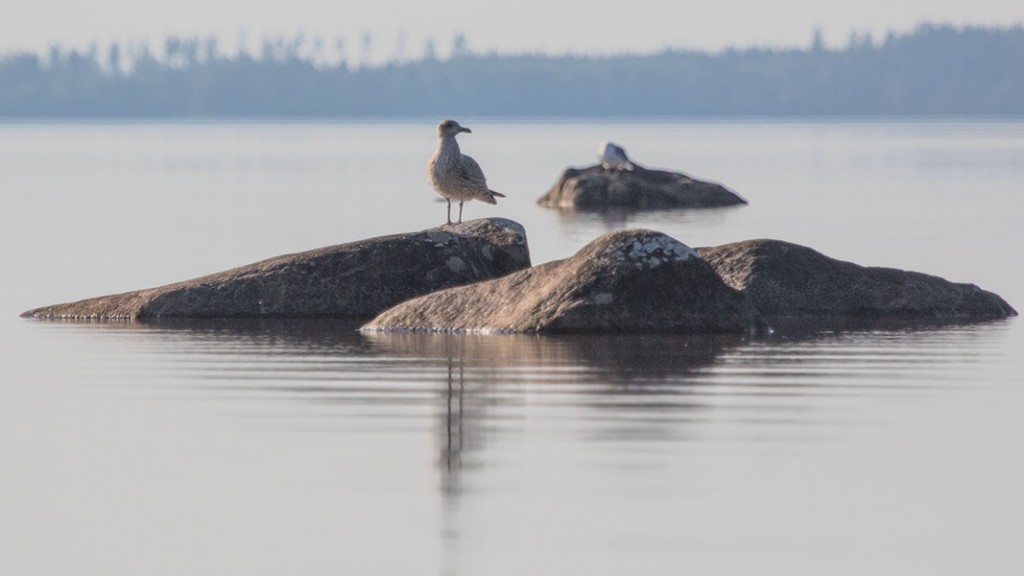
306,448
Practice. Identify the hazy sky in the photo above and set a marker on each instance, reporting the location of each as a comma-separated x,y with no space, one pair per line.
554,26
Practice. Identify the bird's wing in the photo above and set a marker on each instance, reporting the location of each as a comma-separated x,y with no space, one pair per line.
472,173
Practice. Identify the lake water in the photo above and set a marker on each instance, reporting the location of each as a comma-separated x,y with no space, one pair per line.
298,447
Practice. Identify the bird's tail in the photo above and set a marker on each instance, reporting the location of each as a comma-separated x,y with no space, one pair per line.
489,197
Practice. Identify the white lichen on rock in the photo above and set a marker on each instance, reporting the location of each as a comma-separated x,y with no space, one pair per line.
440,239
516,227
456,264
654,251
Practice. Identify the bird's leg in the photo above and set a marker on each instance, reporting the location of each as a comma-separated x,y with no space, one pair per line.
460,211
449,201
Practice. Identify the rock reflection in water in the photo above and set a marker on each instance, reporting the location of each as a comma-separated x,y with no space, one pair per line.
487,373
302,335
587,224
615,359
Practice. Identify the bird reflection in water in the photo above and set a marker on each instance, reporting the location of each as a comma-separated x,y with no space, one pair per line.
451,451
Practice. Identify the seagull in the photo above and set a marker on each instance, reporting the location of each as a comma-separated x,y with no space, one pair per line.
613,157
454,175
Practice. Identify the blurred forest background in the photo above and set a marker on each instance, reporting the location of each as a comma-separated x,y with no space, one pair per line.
935,70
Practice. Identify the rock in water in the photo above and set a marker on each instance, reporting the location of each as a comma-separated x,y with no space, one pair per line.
627,281
355,280
789,280
598,188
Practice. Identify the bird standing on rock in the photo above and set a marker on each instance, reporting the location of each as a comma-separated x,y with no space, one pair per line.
454,175
613,157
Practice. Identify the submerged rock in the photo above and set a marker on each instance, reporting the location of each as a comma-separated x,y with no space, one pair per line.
789,280
355,280
599,188
627,281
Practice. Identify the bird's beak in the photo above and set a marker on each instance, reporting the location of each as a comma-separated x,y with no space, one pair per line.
464,129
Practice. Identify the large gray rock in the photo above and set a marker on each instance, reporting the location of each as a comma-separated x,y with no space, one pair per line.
355,280
627,281
788,280
597,188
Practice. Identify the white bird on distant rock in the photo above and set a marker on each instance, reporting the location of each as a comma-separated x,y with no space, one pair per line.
613,157
454,175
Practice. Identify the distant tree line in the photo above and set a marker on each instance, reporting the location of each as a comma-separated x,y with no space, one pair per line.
935,70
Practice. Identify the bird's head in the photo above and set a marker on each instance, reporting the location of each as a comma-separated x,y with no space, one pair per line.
450,128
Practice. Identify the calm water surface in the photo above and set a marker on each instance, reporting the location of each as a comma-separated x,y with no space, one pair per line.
296,447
